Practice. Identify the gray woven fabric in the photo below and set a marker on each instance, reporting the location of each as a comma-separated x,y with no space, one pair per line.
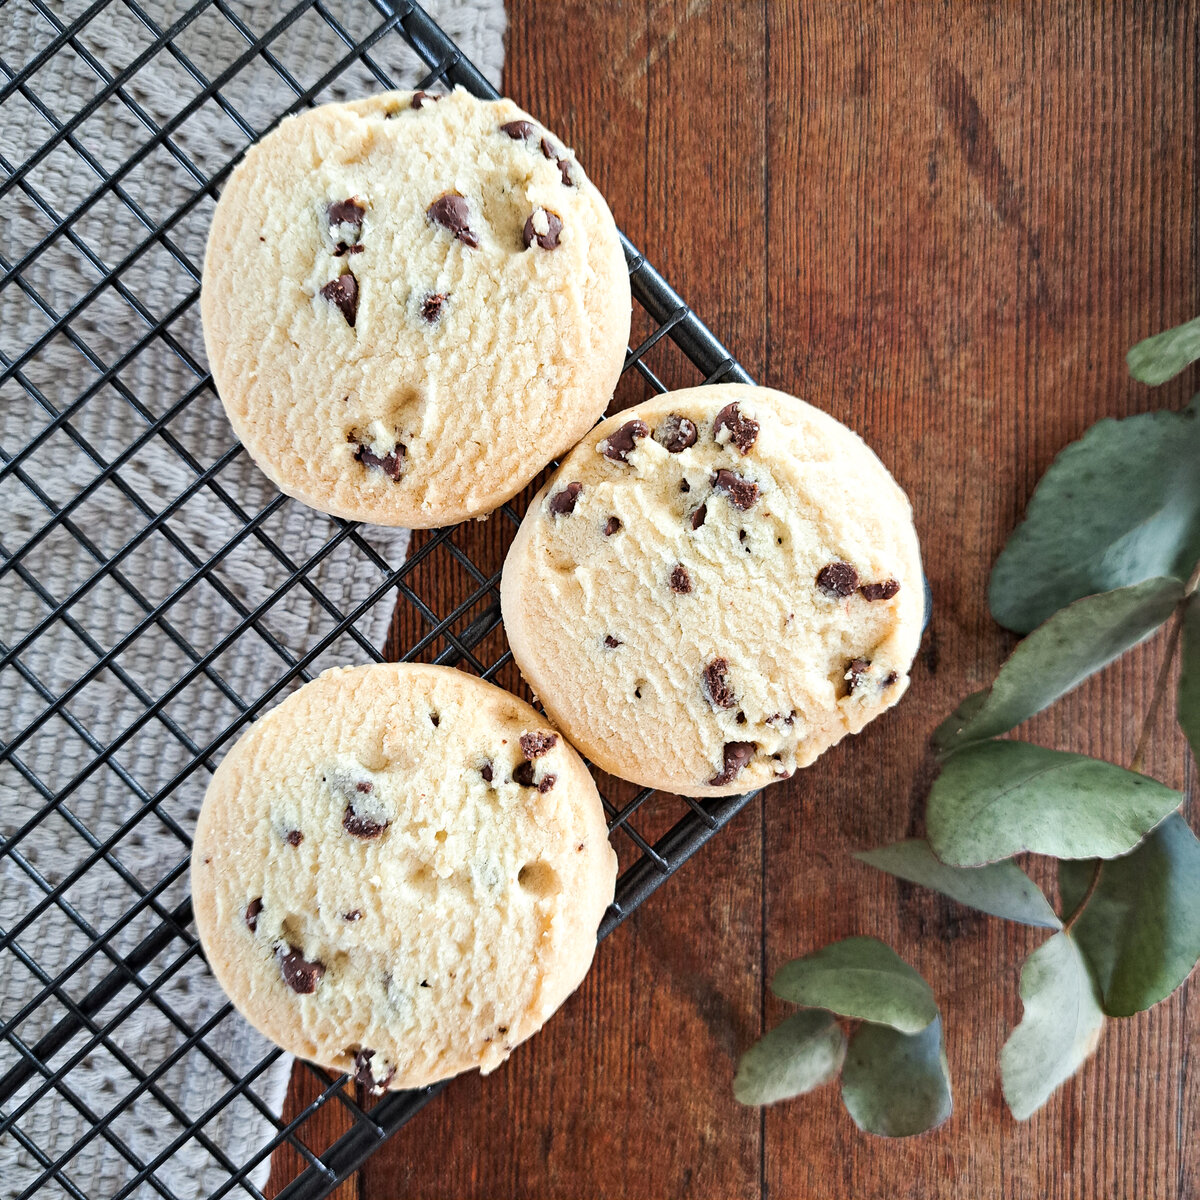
142,797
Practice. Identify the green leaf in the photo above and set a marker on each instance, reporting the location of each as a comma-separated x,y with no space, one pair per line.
1188,701
1156,359
1140,931
1120,505
1059,655
1059,1029
897,1084
862,978
1002,888
994,800
796,1056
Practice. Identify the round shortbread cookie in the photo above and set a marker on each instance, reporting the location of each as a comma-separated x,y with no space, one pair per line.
411,304
399,872
716,586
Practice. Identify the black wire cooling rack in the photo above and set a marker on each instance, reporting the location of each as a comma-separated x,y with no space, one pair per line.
70,1004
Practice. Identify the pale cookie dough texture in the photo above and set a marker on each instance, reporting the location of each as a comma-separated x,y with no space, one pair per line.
411,304
715,586
399,872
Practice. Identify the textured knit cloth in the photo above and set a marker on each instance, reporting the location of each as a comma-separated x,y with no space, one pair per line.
147,654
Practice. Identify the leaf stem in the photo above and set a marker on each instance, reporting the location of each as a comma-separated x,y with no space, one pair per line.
1093,884
1160,688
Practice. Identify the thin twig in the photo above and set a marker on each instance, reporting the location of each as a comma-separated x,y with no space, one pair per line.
1093,884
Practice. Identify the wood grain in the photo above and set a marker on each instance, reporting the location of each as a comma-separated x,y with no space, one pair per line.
945,224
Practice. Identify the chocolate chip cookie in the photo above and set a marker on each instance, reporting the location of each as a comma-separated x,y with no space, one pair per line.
715,586
411,304
399,872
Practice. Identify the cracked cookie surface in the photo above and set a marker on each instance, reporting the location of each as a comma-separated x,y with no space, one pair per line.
399,872
411,304
716,586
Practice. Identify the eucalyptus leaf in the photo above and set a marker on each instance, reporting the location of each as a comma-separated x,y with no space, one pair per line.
795,1057
859,977
897,1084
1060,1027
945,737
1120,505
1001,889
1140,931
1156,359
1059,655
994,800
1188,700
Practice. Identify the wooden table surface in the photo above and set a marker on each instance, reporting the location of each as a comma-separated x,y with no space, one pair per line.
945,224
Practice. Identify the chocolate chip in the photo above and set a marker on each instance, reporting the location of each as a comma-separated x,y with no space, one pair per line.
676,433
742,430
684,486
534,745
741,718
355,914
564,170
890,678
298,973
452,213
345,212
424,983
420,99
716,684
548,151
252,911
742,493
341,248
431,306
362,1058
618,445
343,291
837,579
699,515
519,130
681,581
364,787
486,772
611,642
779,719
741,535
856,669
360,826
548,781
293,837
524,774
547,240
391,463
736,756
437,720
880,591
611,526
562,504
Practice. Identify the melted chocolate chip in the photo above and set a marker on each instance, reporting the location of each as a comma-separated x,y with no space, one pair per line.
360,826
736,755
524,774
293,837
436,719
519,130
486,772
341,248
618,445
534,745
562,504
742,430
420,99
548,151
779,719
564,171
681,581
880,591
355,914
548,781
252,910
547,240
364,787
684,486
890,678
611,642
837,579
345,212
856,669
391,463
676,433
298,973
716,684
742,493
431,306
452,213
699,515
611,526
343,291
362,1058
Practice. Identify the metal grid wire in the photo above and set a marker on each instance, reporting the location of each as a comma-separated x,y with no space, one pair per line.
122,963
